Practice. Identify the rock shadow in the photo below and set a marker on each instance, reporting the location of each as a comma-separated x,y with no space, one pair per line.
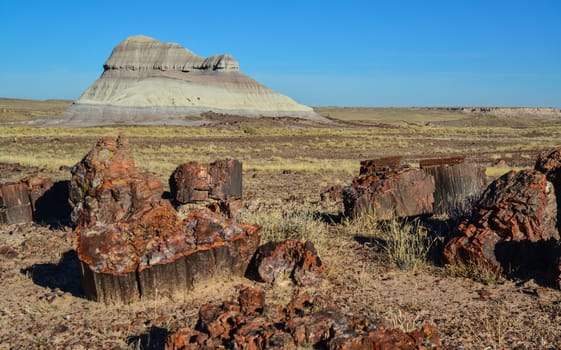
53,206
529,260
155,339
65,275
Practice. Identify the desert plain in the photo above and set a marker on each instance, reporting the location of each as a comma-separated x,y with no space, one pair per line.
287,162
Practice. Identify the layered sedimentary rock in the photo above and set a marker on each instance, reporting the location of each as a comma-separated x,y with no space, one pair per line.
131,243
146,81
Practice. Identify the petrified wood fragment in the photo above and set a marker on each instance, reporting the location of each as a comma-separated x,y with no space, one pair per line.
408,192
132,244
288,259
194,182
520,208
458,185
15,206
306,321
380,165
107,187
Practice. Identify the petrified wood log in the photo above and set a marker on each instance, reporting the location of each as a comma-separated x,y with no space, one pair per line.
195,182
384,165
409,192
158,255
458,185
131,244
520,208
304,322
15,206
290,259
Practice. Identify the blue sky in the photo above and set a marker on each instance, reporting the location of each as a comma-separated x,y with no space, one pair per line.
346,53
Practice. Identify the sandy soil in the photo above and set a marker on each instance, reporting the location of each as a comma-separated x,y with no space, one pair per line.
42,307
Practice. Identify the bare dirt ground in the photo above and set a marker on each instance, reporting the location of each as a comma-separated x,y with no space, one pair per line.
286,164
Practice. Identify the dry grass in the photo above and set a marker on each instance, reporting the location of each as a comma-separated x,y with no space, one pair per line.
373,268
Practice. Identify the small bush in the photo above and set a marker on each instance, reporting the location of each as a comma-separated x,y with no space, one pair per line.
476,272
292,223
405,244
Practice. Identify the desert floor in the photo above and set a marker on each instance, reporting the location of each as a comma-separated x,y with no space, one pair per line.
287,164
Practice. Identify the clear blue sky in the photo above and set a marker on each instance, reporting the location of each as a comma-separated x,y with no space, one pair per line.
346,53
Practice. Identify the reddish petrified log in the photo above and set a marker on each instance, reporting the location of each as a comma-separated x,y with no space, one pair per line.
107,187
132,244
549,163
290,259
458,185
15,206
409,192
194,182
304,322
380,165
517,210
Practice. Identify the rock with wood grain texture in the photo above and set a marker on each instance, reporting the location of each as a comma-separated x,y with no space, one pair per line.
149,82
219,180
387,194
514,223
132,244
107,187
15,205
289,259
458,185
305,322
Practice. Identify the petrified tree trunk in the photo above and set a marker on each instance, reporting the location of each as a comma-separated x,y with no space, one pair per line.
405,193
15,206
457,184
133,245
516,212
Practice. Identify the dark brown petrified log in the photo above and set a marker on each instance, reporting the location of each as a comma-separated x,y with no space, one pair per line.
407,192
15,206
458,185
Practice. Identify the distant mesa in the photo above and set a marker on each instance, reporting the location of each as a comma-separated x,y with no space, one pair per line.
148,82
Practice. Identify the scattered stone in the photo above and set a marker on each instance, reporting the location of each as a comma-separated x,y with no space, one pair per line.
333,193
15,206
517,212
131,244
290,259
458,185
305,322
